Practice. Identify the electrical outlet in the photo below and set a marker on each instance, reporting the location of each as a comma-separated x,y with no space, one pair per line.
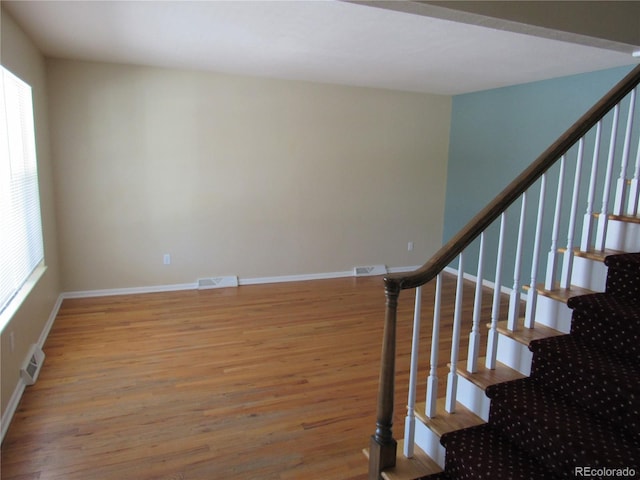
12,342
410,247
167,259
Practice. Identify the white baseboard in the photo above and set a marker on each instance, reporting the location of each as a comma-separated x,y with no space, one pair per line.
52,318
14,401
12,406
403,269
241,281
294,278
130,291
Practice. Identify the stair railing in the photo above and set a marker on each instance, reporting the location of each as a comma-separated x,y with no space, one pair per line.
533,181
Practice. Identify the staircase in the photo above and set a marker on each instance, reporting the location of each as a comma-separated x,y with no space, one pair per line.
558,393
579,409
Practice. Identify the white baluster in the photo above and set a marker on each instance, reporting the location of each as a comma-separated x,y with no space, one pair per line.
492,336
552,258
432,381
567,263
621,190
587,225
634,188
410,420
532,296
474,336
452,379
514,300
603,217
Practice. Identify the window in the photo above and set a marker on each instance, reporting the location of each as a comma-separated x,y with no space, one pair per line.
21,248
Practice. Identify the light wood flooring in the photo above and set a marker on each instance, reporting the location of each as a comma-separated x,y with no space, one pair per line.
261,382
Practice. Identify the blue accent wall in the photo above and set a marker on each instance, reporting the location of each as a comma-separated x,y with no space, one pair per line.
496,134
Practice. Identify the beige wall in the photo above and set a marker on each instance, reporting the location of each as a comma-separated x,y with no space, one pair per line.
21,57
238,176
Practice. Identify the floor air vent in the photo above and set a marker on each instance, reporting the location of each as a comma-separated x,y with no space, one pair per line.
217,282
31,368
369,270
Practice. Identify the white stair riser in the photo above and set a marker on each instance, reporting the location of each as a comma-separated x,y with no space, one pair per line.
429,442
514,354
474,398
553,313
623,236
587,273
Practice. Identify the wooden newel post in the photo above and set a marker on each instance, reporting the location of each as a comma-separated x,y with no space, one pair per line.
382,449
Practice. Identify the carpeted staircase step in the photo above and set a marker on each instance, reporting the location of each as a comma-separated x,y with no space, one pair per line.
606,304
608,323
479,453
601,384
623,276
559,434
616,334
629,262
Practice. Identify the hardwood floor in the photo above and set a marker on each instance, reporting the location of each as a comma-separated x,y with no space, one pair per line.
261,382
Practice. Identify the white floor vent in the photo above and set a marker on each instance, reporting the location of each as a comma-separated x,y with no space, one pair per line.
32,365
369,270
217,282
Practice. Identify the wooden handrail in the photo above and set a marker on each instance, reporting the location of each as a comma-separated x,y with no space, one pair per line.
514,190
382,451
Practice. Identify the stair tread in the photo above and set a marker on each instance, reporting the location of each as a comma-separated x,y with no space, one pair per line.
493,456
619,218
445,422
596,255
418,466
485,377
564,436
625,218
562,294
526,335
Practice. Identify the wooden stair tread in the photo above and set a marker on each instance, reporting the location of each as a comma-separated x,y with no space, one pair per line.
624,218
526,335
561,294
445,422
596,255
412,468
620,218
485,377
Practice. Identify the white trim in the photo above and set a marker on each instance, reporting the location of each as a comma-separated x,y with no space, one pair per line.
49,324
403,269
12,406
130,291
22,294
294,278
241,281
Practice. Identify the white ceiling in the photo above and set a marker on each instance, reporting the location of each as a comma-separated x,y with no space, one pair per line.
322,41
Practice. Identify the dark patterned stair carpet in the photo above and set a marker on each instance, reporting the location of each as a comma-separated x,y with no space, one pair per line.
579,409
602,385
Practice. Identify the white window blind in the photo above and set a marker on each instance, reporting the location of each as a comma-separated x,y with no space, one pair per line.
21,249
